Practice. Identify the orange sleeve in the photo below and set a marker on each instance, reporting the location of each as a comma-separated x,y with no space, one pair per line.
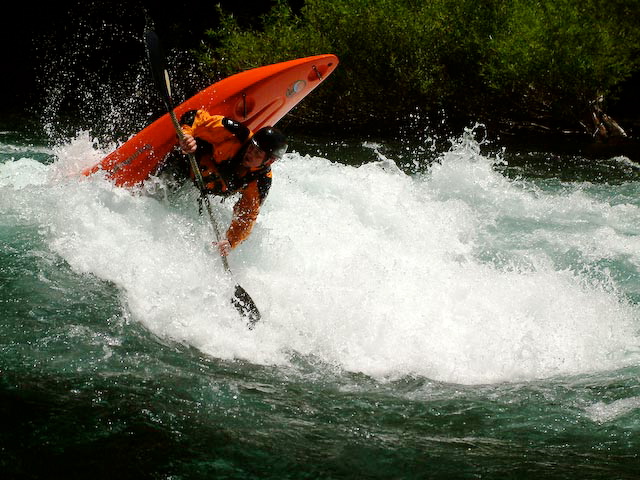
245,213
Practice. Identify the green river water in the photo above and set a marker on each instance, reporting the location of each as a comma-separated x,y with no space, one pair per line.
473,316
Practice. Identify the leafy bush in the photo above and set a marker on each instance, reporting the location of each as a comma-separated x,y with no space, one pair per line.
555,57
475,60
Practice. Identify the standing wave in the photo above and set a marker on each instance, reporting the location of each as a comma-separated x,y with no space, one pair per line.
458,274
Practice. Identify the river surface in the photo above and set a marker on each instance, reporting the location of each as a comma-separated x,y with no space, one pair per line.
459,313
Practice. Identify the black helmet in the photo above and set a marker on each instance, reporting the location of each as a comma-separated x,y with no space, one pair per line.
271,141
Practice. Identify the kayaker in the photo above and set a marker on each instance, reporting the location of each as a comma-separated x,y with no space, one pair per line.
232,159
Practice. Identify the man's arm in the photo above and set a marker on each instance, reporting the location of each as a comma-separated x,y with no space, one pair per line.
245,213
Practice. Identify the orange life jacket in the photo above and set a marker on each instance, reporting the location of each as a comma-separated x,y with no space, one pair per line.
221,145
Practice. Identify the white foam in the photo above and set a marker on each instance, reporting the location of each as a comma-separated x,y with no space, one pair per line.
21,173
602,412
365,268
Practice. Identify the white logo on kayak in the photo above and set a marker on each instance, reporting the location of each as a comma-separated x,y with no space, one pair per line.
296,88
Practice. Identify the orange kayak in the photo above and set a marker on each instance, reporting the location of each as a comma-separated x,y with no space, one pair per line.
256,97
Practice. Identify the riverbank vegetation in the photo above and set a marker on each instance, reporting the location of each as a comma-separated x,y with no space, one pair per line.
555,65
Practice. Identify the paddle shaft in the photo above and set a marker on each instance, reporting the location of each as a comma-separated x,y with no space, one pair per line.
200,184
241,299
157,62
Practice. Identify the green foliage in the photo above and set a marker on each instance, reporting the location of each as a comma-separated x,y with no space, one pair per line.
474,60
557,56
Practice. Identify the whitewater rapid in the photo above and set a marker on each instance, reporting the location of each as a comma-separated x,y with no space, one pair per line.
457,273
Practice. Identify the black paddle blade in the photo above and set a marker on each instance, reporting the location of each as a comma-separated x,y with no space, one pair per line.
158,63
244,304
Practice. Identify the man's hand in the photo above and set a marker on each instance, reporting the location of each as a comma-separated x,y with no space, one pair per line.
188,144
224,247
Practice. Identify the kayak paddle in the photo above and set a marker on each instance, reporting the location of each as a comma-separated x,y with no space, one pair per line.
157,61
